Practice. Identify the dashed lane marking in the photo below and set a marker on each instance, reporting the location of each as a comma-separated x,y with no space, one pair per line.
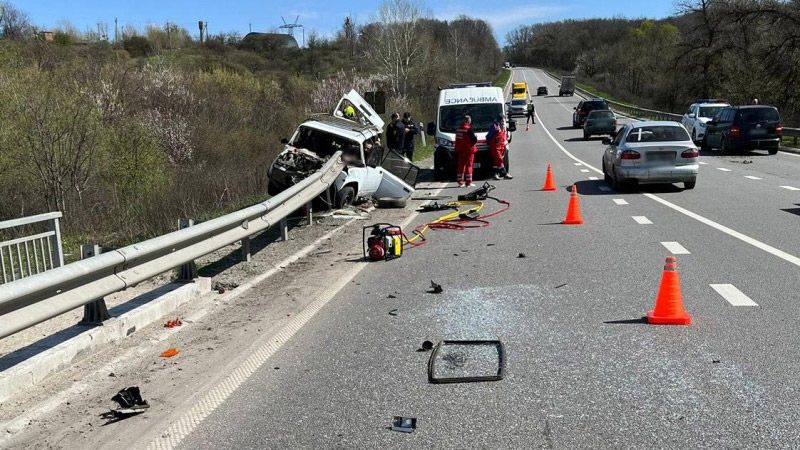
620,202
593,178
788,257
791,188
578,164
642,220
703,163
733,295
676,248
585,170
751,177
723,169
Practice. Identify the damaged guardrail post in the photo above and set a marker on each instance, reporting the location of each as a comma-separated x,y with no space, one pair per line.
310,211
284,225
96,312
188,271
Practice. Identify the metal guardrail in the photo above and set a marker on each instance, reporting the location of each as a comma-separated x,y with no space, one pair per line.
31,300
23,256
792,133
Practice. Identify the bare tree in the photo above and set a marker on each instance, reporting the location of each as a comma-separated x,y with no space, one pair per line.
14,24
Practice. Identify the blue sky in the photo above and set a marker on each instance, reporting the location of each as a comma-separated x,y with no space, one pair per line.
323,16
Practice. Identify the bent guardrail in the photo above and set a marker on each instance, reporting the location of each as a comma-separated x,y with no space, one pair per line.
29,301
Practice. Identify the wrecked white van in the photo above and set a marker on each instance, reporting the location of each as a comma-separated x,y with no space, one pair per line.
371,169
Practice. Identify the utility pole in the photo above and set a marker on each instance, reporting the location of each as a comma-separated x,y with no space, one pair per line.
169,37
251,27
200,25
116,31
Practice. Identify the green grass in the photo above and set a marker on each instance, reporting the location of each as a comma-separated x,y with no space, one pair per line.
789,142
605,95
501,81
423,152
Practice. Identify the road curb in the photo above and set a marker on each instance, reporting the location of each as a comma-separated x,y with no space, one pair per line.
152,307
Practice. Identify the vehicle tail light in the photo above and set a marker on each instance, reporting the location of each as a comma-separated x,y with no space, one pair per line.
630,154
735,132
691,153
779,130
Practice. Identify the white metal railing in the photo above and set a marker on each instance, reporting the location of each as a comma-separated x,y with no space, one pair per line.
24,255
34,299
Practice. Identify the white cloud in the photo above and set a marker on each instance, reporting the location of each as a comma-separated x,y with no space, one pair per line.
504,16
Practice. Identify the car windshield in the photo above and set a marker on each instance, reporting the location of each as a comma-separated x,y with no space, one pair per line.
708,111
589,106
658,133
601,115
518,90
323,143
519,102
759,115
483,116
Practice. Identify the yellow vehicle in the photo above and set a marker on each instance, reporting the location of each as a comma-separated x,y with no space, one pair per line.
519,89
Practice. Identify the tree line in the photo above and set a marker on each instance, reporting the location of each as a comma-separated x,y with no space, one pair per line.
733,49
126,138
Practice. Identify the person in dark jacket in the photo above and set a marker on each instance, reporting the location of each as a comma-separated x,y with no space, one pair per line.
395,133
411,130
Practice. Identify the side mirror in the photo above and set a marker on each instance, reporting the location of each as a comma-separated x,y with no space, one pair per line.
431,131
284,141
606,141
692,115
575,108
512,125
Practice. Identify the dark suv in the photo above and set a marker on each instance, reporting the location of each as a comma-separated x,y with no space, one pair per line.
741,128
584,108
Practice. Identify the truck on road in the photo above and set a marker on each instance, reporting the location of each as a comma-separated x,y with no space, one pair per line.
567,86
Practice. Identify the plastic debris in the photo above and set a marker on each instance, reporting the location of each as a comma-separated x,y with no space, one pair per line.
173,323
436,288
404,424
521,255
130,403
169,353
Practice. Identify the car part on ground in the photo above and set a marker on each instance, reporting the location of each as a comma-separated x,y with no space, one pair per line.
467,361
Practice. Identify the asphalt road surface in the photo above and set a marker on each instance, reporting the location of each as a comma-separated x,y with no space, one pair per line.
581,370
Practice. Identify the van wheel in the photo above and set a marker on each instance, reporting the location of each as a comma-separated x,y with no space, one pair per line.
345,197
585,136
689,184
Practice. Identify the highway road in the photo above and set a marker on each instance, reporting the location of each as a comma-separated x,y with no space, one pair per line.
582,371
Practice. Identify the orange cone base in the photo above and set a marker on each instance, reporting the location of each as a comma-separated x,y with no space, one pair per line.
572,222
549,189
680,319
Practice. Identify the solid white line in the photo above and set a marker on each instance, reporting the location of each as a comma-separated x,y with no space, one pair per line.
585,170
676,248
183,426
593,178
730,232
642,220
752,177
620,202
733,295
723,169
791,188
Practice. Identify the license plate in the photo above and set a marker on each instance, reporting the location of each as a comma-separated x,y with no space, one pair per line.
476,165
758,131
661,156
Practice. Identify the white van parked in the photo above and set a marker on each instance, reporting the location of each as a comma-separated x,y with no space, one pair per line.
484,103
371,170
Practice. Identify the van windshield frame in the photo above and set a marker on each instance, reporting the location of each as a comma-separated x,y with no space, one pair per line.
483,116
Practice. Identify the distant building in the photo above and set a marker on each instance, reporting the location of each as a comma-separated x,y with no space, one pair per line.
47,36
264,42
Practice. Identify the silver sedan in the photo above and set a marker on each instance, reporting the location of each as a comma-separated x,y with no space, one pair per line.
650,153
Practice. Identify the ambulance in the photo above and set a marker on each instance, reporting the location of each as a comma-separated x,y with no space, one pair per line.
484,103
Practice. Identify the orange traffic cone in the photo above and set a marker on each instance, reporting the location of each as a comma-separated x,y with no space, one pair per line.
669,302
573,209
549,184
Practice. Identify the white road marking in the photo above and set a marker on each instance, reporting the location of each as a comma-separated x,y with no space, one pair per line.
703,163
790,154
593,178
585,170
183,426
676,248
578,164
752,177
723,169
620,201
604,188
788,257
733,295
791,188
642,220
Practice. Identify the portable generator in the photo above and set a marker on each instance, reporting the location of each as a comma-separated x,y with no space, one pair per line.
385,242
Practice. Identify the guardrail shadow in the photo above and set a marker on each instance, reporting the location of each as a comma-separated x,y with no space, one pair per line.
600,187
795,211
31,350
565,128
